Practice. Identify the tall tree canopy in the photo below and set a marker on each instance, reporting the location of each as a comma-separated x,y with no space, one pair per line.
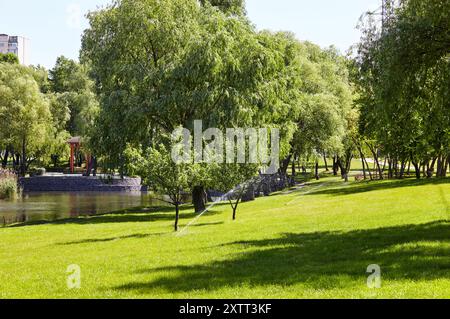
227,6
24,113
160,65
404,79
75,101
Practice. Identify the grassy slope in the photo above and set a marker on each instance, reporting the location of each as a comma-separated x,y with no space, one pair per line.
295,245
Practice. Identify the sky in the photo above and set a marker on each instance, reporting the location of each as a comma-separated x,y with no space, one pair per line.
54,27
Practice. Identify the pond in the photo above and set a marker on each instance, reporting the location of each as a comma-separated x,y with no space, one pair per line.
53,206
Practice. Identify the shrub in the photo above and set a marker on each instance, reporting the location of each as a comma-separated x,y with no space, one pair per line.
40,172
8,185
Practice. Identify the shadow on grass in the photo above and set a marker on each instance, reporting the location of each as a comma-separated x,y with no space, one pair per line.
104,240
369,186
323,260
124,216
134,236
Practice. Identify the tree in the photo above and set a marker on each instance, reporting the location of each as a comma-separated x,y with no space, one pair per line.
235,180
166,177
326,105
9,58
74,91
227,6
160,65
403,83
24,113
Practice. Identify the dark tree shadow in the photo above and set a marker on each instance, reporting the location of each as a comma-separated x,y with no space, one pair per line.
125,216
318,260
206,224
134,236
104,240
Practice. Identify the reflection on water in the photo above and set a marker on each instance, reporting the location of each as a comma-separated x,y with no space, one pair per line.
53,206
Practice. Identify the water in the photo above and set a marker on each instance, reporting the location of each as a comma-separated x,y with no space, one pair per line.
54,206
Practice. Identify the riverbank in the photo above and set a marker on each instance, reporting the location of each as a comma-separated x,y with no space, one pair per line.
313,242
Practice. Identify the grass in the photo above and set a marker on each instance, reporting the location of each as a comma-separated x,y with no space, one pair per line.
315,242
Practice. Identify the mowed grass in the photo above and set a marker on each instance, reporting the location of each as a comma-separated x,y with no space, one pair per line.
315,242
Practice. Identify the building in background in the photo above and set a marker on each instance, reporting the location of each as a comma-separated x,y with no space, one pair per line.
17,45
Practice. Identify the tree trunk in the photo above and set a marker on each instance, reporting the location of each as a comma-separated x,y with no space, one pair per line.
380,171
402,169
177,216
326,163
429,171
94,166
344,173
335,166
384,165
417,168
447,163
317,171
5,158
376,159
363,162
23,162
364,168
235,206
199,199
293,169
16,162
368,169
285,164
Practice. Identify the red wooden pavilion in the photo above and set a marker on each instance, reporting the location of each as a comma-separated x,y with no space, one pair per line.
75,145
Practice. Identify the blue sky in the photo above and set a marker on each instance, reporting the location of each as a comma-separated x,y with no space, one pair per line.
54,27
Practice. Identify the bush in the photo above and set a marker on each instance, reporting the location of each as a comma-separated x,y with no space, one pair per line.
8,185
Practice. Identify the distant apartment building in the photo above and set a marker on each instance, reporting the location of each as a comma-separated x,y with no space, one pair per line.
17,45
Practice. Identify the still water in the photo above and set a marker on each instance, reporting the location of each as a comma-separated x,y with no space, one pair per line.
53,206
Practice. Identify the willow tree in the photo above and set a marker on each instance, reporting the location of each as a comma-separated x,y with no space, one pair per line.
160,65
326,108
404,78
24,113
227,6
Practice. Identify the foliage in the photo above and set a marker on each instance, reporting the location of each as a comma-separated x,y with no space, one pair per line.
326,106
235,180
158,66
24,113
9,58
227,6
403,84
9,188
166,177
75,102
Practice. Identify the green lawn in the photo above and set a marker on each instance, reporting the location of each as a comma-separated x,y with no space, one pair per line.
311,243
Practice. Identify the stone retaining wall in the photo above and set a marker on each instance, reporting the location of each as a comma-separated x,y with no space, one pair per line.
79,184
